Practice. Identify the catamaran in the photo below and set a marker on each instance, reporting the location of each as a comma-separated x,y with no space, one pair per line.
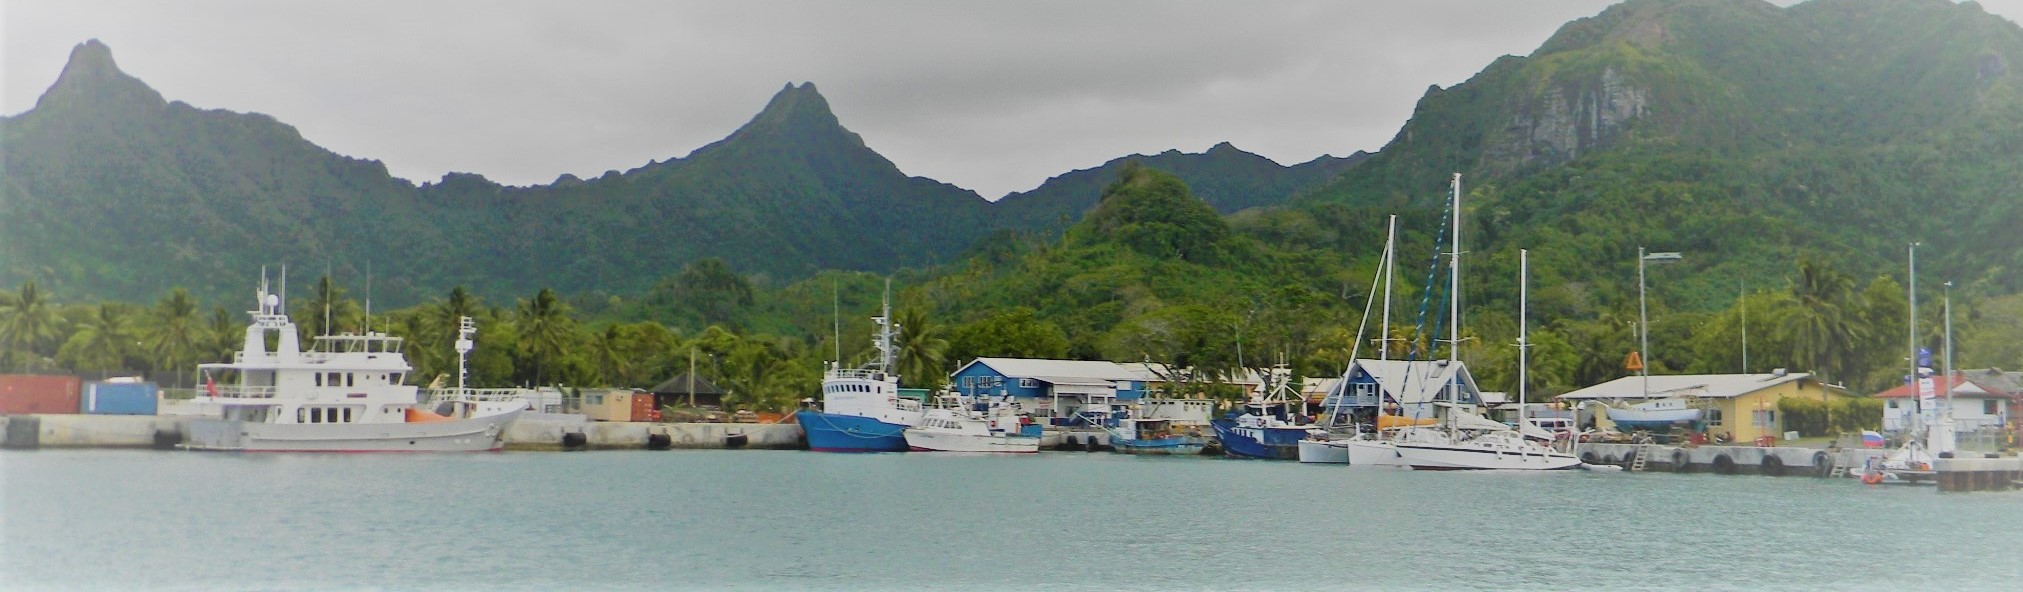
345,394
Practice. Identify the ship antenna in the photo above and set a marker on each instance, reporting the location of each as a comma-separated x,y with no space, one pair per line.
283,309
836,292
368,298
327,288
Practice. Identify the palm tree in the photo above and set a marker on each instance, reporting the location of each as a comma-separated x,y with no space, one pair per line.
175,333
610,351
1822,323
29,325
922,349
102,341
545,329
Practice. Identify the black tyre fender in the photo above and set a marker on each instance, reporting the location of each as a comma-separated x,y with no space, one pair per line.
1723,464
1772,466
1681,461
1822,464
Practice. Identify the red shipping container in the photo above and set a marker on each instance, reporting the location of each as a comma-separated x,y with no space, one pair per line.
642,407
22,394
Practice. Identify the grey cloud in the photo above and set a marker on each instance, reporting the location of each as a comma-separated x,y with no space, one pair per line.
994,96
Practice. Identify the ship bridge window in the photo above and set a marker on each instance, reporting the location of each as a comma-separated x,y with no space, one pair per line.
315,415
331,379
347,379
319,379
396,378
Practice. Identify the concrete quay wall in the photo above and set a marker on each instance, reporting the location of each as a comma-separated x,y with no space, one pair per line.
532,431
1774,460
548,433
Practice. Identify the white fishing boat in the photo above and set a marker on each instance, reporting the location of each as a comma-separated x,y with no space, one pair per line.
967,430
345,394
1325,447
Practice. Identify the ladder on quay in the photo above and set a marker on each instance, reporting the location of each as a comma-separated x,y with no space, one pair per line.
1643,455
1840,467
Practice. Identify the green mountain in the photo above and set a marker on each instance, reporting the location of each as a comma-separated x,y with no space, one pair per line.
109,191
1226,177
1740,133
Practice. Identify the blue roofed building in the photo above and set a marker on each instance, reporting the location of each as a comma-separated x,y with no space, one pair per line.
1062,392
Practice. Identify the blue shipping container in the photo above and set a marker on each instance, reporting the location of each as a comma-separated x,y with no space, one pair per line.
118,398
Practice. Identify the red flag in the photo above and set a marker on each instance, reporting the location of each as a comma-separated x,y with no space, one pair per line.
210,386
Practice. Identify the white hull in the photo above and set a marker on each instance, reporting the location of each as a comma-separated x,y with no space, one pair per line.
1482,456
461,435
1373,453
1331,452
939,441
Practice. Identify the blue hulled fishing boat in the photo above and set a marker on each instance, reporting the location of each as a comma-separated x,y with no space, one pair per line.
1265,427
861,407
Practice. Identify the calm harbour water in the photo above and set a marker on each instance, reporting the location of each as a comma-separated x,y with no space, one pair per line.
125,520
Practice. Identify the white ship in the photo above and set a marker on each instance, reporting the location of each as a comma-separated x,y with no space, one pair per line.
345,394
964,429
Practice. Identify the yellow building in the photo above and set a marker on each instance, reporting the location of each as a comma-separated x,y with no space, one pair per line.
1742,406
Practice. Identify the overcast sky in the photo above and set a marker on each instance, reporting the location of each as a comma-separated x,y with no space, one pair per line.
990,96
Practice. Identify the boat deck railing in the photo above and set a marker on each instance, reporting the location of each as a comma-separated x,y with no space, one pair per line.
471,395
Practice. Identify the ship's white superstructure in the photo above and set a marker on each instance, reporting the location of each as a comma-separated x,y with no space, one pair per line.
345,393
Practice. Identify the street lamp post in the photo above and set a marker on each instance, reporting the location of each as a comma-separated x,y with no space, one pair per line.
1643,312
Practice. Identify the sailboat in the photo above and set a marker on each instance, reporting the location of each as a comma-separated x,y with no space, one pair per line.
1489,448
1329,443
1930,434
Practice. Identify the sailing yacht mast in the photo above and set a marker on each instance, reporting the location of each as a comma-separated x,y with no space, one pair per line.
1390,255
1454,313
1523,357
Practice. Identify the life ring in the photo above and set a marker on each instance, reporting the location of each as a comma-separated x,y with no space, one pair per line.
1724,465
1772,466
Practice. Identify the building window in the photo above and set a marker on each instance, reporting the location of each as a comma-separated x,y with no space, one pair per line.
1763,418
1714,416
1990,407
1892,404
1029,383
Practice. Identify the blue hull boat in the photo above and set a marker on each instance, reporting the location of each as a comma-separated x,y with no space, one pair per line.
1178,445
829,432
1275,443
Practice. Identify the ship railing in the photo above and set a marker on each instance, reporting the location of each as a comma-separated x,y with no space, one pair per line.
908,405
856,374
470,395
224,391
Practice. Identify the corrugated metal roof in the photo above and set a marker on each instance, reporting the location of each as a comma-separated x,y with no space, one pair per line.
1062,369
1717,386
1416,381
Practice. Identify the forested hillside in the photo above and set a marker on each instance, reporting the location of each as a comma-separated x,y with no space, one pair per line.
1791,155
110,191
